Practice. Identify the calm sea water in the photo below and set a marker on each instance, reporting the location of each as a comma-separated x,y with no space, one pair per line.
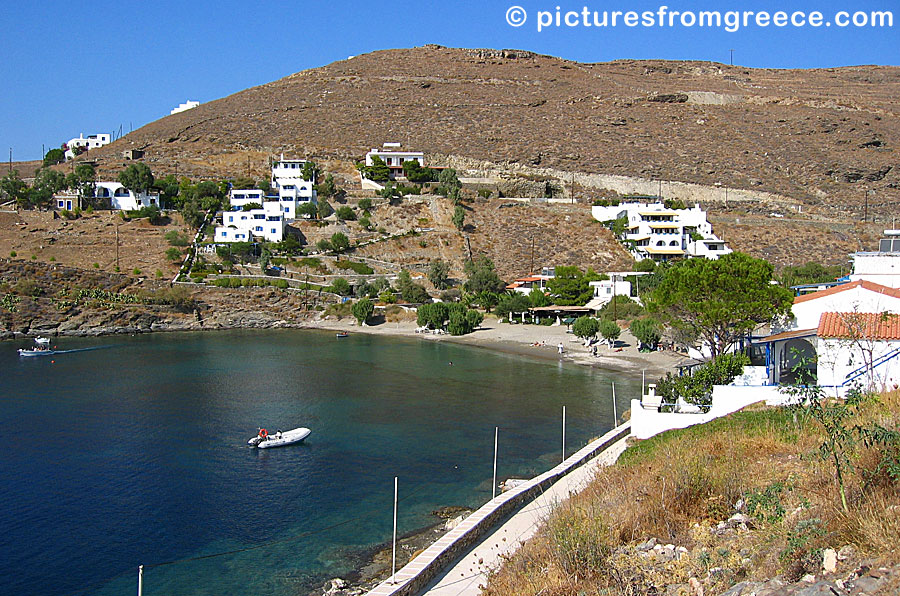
133,451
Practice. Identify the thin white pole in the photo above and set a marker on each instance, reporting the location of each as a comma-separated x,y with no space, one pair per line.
564,434
140,580
615,415
494,483
394,555
643,381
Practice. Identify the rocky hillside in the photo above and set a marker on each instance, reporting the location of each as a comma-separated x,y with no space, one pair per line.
821,137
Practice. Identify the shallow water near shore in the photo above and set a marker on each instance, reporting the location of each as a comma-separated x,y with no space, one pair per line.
136,453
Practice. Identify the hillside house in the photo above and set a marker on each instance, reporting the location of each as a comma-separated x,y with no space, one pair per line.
829,334
656,232
535,281
264,223
183,107
881,266
292,188
74,146
605,290
394,158
121,198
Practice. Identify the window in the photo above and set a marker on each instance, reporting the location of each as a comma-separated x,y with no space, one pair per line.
287,210
258,229
273,230
60,204
230,218
224,234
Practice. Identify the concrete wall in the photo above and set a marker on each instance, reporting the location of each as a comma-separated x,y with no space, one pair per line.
646,423
421,570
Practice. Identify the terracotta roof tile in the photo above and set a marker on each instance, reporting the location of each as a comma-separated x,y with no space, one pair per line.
861,283
868,325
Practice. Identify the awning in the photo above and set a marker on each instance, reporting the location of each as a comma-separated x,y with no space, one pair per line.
786,335
568,320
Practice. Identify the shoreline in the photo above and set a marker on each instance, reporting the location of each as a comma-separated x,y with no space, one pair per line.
533,341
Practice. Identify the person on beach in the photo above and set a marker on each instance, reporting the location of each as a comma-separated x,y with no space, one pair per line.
560,347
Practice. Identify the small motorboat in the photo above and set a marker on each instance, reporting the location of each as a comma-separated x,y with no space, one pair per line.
41,348
264,440
341,334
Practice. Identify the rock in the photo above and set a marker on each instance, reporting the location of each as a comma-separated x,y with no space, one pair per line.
743,589
645,546
847,551
829,560
696,586
334,586
808,578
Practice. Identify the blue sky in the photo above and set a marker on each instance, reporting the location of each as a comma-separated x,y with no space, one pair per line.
72,67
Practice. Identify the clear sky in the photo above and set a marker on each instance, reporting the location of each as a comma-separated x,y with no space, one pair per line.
72,67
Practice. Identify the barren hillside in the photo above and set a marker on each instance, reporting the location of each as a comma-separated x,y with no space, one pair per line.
820,136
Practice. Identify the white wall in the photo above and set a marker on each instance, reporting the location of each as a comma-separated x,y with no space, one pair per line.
808,312
838,359
879,267
646,423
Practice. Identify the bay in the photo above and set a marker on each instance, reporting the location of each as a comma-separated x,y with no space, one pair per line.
132,450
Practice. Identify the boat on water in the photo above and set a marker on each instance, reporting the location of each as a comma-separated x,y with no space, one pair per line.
41,348
340,334
264,440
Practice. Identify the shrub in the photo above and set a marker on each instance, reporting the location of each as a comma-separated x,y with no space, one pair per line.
647,332
341,287
176,238
365,204
12,254
136,271
585,327
359,268
173,254
345,213
96,265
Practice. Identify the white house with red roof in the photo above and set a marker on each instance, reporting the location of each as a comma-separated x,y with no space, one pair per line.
835,336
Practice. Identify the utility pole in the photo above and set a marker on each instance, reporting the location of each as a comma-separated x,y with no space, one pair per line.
10,160
117,246
531,269
659,192
866,208
732,57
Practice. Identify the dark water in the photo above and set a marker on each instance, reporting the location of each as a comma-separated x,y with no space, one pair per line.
135,453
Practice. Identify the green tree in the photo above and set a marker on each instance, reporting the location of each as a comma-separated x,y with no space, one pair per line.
439,273
459,217
308,210
410,291
414,172
137,177
539,298
47,182
193,213
362,310
448,184
83,180
585,327
512,303
14,188
482,277
242,183
610,332
345,213
310,171
647,332
365,204
173,254
340,242
324,209
720,300
341,287
53,157
377,172
571,286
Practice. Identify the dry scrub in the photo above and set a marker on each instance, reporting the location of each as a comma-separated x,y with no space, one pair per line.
744,498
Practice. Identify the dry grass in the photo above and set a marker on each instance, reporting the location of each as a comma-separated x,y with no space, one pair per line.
678,487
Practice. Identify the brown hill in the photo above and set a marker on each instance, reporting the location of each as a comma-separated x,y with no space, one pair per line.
819,136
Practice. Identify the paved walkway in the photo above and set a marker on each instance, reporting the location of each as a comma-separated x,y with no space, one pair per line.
469,574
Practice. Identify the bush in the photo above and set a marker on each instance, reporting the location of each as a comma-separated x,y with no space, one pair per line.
697,388
359,268
176,238
365,204
621,308
173,254
610,331
345,213
647,332
341,287
585,327
136,271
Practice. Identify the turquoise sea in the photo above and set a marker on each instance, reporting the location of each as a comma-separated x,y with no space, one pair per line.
132,450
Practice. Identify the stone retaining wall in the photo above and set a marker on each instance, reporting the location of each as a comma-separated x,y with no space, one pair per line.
430,563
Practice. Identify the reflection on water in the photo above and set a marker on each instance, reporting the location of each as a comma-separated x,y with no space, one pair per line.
136,454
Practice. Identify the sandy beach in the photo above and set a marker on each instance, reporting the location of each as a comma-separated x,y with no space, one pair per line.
531,340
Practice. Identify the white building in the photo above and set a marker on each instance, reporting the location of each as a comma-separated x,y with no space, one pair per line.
88,143
605,290
292,188
123,199
535,281
819,338
266,223
881,266
394,158
659,233
183,107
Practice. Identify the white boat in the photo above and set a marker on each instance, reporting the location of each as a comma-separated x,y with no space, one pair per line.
264,439
41,348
